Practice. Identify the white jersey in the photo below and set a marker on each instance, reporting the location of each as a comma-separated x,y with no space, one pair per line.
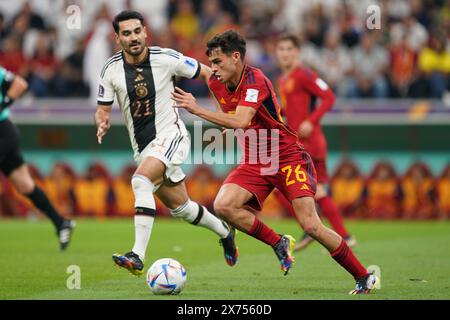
144,93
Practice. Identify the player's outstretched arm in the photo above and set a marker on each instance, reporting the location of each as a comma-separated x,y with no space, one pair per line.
318,88
17,87
238,120
102,121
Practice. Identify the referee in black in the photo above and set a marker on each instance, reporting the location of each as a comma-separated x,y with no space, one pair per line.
12,163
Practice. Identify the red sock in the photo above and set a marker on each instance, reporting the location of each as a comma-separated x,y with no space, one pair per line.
331,212
345,257
263,233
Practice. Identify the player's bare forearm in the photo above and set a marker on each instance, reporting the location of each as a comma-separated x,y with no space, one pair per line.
327,101
17,88
102,121
240,119
102,114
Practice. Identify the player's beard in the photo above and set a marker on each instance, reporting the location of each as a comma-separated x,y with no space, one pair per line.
135,52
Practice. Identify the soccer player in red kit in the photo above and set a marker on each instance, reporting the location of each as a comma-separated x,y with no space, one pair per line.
249,104
299,88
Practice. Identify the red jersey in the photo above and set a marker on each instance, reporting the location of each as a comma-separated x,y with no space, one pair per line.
256,91
299,91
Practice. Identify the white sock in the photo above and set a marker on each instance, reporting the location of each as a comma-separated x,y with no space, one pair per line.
143,229
145,213
190,212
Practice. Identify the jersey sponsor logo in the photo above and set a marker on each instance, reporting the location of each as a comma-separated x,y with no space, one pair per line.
190,62
139,78
321,84
222,101
252,95
101,91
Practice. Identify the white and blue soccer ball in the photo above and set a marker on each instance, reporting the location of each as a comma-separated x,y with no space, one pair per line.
166,276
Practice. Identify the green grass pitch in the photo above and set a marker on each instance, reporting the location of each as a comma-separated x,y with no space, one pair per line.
414,258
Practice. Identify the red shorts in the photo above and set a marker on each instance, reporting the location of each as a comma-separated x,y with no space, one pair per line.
296,178
321,169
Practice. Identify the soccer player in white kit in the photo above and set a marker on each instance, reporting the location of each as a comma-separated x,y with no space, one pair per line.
141,78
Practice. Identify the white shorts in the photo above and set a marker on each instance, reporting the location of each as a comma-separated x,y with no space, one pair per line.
172,148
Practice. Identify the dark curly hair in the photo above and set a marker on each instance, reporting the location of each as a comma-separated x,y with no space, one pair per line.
230,41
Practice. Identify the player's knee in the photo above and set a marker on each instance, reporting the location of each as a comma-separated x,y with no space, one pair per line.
223,207
143,191
24,186
312,228
309,219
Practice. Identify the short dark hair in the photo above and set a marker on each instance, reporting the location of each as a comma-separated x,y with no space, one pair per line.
126,15
230,41
290,37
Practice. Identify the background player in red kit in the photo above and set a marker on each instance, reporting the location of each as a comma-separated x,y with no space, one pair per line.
299,88
248,102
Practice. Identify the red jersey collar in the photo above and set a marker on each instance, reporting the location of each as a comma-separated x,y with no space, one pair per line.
240,80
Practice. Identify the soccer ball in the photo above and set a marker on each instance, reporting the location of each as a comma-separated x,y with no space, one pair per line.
166,276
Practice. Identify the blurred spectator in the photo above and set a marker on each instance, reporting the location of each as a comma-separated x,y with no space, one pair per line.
66,38
290,15
10,204
411,31
265,59
43,66
381,196
334,62
398,9
59,188
69,81
316,25
209,16
272,207
203,186
418,193
93,193
225,21
98,50
347,187
443,193
11,56
370,63
27,19
347,24
2,29
123,193
382,192
185,23
434,63
309,54
154,11
422,11
403,68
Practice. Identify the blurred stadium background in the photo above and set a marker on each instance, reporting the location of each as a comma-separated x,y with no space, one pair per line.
388,133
